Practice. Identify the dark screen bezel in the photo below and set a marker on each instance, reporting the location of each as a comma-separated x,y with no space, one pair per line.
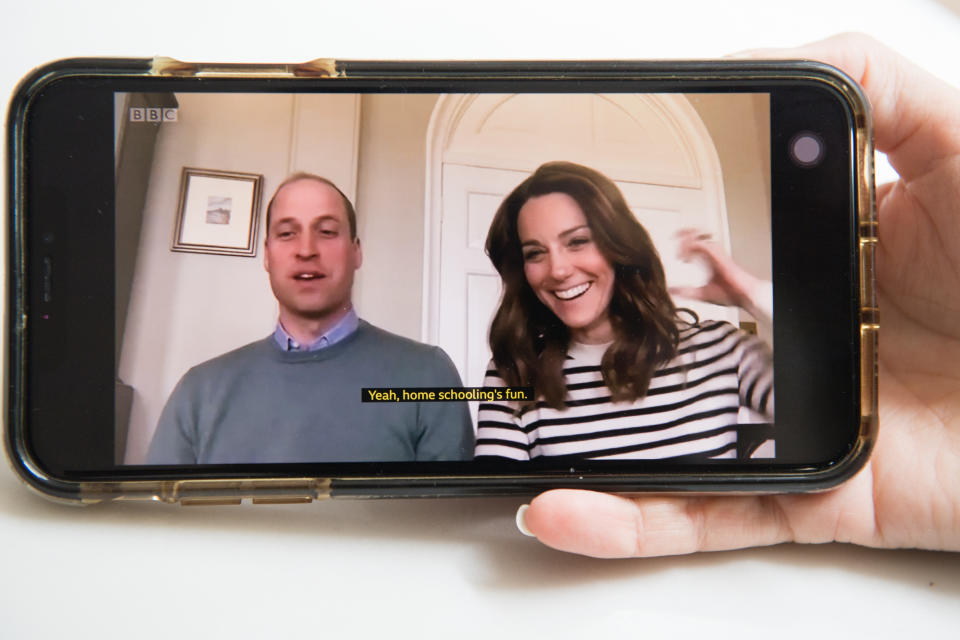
67,189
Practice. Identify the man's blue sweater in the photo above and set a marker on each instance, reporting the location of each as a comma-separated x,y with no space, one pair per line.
262,404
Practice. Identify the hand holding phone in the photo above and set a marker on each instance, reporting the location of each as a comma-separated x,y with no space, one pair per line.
908,495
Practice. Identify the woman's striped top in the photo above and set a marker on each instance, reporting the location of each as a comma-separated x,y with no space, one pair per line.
691,407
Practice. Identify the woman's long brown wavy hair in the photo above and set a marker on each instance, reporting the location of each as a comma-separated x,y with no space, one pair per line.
529,343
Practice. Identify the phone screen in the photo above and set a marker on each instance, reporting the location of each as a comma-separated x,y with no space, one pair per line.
518,276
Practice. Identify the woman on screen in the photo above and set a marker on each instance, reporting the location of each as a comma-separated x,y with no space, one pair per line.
586,320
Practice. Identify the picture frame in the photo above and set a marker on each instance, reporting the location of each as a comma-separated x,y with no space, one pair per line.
218,212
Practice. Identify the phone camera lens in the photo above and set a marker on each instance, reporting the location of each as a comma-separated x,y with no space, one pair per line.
806,149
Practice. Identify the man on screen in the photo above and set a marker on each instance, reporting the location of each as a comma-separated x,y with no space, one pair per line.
295,395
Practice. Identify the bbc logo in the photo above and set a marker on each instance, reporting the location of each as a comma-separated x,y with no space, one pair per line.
153,114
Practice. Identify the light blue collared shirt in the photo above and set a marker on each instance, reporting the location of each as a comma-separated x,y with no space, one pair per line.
346,326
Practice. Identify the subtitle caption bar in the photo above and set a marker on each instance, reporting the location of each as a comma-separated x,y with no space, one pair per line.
447,394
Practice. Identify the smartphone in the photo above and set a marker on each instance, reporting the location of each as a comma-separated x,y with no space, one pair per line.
373,279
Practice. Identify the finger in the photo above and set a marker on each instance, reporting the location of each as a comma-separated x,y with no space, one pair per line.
701,247
693,233
694,293
606,526
883,191
916,122
691,242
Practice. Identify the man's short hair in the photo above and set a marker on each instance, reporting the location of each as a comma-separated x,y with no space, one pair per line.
303,175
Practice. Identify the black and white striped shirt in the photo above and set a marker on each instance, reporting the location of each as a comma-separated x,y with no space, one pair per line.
691,407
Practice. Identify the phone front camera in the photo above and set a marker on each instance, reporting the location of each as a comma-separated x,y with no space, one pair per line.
806,149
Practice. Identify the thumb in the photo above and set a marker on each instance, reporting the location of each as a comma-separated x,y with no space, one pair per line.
607,526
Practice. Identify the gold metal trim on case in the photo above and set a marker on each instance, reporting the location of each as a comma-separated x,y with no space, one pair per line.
210,492
319,68
210,502
867,231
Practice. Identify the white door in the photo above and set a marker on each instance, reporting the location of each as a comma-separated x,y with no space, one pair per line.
469,285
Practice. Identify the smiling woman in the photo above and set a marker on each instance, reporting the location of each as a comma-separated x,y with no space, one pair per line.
587,321
563,266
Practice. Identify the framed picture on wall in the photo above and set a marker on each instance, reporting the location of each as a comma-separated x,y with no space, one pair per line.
219,212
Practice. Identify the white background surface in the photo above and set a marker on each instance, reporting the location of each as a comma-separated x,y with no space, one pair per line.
435,568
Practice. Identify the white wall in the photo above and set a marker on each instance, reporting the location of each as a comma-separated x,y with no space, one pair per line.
740,127
186,308
390,209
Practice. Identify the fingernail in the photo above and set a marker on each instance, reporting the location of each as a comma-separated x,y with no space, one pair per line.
522,520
